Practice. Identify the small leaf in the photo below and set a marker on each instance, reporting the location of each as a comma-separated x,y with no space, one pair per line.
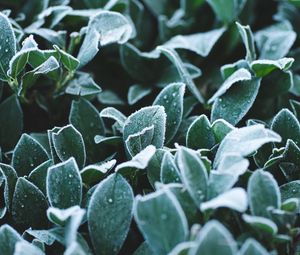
200,134
109,97
154,166
221,128
290,190
11,119
48,66
105,27
23,162
113,113
200,43
85,118
287,126
251,246
29,205
263,192
237,101
261,224
244,141
169,172
215,239
136,93
161,220
171,98
64,185
109,214
248,40
70,63
8,239
146,117
194,174
7,46
235,199
25,248
68,142
263,67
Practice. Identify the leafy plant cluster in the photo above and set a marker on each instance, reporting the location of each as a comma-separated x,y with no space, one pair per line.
149,127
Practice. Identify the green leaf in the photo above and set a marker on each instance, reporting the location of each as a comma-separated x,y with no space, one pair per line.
200,43
64,184
48,66
235,104
251,246
161,220
214,238
221,128
83,85
105,27
227,11
109,97
290,190
136,93
11,119
25,248
143,249
68,142
154,166
113,113
200,134
287,126
109,214
261,224
235,199
85,118
29,205
139,141
70,63
7,46
146,117
263,67
194,174
169,172
238,76
23,162
171,98
244,141
263,192
8,239
248,40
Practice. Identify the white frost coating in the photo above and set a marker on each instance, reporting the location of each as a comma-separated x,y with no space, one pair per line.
235,199
49,65
240,75
257,220
140,160
64,214
113,113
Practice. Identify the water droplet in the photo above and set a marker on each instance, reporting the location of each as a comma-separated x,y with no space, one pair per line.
22,206
165,97
174,104
174,94
70,175
6,50
6,40
110,200
163,216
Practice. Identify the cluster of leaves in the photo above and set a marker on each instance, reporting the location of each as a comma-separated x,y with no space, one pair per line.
190,146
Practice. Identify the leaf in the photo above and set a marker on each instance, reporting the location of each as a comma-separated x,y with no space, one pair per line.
24,163
68,142
29,205
48,66
251,246
169,172
109,97
61,217
227,11
200,43
113,113
11,119
287,126
235,104
263,193
171,98
25,248
248,40
83,85
154,166
238,76
235,199
261,224
64,184
109,214
194,174
214,238
146,117
139,141
8,239
221,128
105,27
290,190
70,63
136,93
264,67
233,164
85,118
161,220
200,134
274,42
143,249
244,141
139,161
185,76
7,46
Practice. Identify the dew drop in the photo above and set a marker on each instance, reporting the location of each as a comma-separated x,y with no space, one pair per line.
110,200
163,216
